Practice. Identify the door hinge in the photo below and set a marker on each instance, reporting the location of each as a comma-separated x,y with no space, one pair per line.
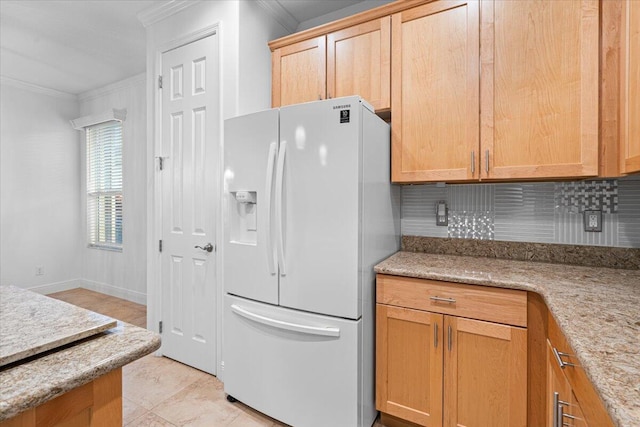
160,162
160,245
160,327
159,82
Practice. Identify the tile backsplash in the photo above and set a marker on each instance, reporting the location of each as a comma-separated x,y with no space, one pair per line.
546,212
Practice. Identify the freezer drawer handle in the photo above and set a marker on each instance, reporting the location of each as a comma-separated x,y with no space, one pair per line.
280,324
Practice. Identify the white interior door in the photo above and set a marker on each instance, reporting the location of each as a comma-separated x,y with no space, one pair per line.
190,135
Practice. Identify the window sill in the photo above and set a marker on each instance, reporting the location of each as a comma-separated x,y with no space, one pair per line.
106,248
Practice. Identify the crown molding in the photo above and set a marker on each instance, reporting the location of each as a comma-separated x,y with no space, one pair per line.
37,89
113,87
157,13
280,14
82,122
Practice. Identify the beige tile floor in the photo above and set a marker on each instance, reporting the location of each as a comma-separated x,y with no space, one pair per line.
160,392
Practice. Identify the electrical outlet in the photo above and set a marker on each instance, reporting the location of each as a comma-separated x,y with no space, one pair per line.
39,270
442,213
593,221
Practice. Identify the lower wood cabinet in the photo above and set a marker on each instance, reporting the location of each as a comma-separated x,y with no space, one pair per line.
571,398
435,369
563,408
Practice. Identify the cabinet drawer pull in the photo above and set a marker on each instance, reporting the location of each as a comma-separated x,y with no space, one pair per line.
558,355
442,299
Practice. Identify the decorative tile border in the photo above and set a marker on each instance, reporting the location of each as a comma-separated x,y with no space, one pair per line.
471,225
578,196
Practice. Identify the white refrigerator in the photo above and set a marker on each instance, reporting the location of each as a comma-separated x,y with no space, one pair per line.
309,210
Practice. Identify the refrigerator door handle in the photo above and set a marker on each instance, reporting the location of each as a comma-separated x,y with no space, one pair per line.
269,246
281,324
280,205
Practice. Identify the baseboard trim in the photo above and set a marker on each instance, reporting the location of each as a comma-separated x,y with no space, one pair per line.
50,288
105,288
115,291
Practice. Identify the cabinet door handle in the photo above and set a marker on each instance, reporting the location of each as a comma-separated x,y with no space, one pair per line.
556,408
435,335
486,160
450,339
442,299
473,162
558,355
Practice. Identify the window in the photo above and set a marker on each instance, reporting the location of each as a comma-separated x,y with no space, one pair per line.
104,185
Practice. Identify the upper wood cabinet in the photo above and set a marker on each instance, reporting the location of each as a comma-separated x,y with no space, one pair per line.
350,61
298,72
539,89
435,95
358,62
508,92
630,108
538,84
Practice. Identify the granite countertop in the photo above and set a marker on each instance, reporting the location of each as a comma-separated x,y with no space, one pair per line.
30,382
26,320
598,309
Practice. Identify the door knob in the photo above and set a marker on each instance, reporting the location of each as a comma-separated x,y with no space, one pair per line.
208,247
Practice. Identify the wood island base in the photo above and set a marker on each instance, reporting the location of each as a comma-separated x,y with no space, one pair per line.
95,404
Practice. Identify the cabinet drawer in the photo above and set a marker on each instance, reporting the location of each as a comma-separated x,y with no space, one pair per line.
592,406
499,305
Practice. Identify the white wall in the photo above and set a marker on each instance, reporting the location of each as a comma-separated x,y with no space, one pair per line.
342,13
40,189
256,30
122,274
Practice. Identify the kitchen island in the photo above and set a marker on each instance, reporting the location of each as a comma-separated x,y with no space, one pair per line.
597,309
76,377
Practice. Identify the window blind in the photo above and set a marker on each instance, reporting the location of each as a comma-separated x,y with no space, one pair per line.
104,185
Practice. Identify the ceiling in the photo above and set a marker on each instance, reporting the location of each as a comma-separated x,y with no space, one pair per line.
75,46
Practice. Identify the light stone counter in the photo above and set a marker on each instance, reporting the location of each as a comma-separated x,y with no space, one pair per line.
598,309
31,323
33,381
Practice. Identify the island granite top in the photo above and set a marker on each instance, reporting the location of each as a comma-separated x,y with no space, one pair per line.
26,320
598,309
30,382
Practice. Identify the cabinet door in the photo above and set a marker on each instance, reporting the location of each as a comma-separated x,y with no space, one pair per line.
299,72
435,92
485,371
409,364
630,132
563,408
539,89
358,62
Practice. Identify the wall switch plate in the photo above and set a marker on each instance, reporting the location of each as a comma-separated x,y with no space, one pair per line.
593,221
442,213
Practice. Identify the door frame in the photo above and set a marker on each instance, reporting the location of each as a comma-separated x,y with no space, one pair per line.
154,203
